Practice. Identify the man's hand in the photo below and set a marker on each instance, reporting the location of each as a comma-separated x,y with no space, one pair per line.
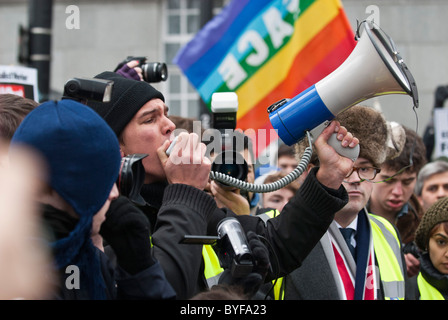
187,163
334,167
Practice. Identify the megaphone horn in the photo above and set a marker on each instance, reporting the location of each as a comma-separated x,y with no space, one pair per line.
374,68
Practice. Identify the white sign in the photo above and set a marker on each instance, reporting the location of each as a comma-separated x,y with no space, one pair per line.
441,132
21,81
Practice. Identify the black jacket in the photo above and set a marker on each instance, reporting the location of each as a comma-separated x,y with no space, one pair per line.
294,233
186,210
174,211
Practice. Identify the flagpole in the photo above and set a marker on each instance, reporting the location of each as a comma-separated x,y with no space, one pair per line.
206,14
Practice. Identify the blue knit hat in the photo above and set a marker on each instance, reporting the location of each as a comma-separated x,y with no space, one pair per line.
83,157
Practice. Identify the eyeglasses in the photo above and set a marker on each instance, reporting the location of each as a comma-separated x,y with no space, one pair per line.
365,173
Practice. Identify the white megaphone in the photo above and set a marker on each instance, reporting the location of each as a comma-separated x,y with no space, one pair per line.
373,68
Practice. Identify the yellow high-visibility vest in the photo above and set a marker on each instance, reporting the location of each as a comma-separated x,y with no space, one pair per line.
387,248
427,291
212,266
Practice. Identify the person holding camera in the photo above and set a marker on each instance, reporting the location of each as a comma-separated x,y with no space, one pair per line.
242,167
82,156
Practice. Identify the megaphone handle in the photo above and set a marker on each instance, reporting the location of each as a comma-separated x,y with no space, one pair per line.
351,153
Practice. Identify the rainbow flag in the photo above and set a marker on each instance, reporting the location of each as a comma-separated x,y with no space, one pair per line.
264,51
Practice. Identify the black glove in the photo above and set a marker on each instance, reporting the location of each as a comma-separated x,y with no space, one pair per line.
253,281
127,230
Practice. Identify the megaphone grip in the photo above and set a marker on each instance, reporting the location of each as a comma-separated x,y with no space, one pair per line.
351,153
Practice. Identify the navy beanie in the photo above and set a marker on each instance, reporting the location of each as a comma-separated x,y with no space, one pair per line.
83,159
128,96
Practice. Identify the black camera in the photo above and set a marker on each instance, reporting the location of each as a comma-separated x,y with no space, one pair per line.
84,89
152,71
228,158
413,249
232,247
131,177
132,172
234,251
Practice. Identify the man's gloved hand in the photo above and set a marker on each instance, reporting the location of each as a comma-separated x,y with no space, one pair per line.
127,230
253,281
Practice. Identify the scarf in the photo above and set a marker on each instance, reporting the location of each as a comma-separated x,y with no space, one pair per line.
355,280
72,245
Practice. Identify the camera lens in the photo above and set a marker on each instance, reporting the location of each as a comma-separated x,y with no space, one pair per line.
230,169
131,177
231,163
154,72
72,87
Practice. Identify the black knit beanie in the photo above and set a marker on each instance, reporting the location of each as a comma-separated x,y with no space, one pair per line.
128,96
436,214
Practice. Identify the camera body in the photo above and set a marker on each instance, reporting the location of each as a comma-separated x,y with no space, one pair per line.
231,245
234,251
84,89
131,177
151,71
228,160
412,248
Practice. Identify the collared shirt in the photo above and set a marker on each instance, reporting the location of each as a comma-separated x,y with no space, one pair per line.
354,226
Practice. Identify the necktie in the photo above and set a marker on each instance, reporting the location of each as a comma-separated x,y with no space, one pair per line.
347,234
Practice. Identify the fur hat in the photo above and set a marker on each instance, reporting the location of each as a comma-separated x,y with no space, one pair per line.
128,96
436,214
396,139
370,127
378,140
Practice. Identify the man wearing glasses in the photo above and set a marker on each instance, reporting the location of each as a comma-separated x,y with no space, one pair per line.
359,257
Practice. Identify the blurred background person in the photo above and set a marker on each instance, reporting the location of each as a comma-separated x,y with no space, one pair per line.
241,202
13,109
432,239
432,183
278,198
286,158
26,270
